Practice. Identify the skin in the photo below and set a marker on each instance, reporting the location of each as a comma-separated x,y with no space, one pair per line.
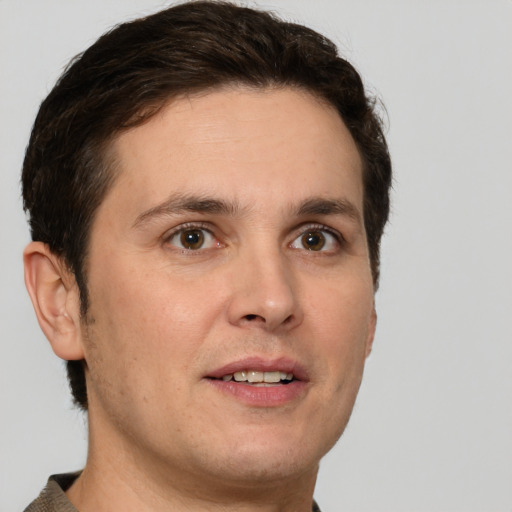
162,318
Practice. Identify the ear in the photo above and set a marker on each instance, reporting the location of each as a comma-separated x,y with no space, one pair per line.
55,297
372,325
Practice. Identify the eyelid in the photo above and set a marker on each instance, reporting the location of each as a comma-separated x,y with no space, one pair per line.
314,226
203,226
300,230
321,227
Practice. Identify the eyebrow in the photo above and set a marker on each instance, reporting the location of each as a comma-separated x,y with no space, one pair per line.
322,206
180,203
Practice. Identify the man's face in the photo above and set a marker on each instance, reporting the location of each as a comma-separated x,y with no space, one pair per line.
232,243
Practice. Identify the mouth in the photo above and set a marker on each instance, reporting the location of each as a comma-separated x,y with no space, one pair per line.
260,378
259,382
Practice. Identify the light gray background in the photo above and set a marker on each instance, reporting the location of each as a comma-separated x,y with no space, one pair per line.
432,427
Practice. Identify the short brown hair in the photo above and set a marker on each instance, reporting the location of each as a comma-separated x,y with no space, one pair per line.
130,72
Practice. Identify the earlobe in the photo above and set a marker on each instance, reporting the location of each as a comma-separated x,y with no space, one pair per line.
54,294
371,331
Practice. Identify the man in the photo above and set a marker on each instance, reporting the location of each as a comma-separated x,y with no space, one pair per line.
207,189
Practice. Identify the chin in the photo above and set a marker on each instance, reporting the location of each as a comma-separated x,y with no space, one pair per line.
256,471
273,458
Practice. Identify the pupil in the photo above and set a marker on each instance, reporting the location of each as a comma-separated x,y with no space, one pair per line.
192,239
313,240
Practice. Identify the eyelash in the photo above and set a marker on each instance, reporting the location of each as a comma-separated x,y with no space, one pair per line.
338,237
189,226
301,230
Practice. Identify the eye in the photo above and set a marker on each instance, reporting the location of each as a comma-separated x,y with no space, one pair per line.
316,239
193,239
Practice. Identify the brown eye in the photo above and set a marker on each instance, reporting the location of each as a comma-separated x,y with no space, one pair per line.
313,240
192,239
318,240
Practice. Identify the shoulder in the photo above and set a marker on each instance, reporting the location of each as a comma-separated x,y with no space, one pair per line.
53,497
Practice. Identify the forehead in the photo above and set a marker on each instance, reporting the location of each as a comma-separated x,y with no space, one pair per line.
241,144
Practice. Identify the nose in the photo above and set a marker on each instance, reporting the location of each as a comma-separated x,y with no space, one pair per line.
265,293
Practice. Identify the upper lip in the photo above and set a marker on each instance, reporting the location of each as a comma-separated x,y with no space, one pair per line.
283,364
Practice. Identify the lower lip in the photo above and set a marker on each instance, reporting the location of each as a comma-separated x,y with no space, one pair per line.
267,396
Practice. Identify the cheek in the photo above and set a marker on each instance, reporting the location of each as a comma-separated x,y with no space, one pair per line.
344,310
136,345
341,320
341,328
147,319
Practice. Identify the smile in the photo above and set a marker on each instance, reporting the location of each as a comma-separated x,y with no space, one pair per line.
260,378
261,382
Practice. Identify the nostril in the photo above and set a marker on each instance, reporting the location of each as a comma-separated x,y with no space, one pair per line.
252,317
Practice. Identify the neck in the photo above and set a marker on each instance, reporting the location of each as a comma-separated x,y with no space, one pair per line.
119,476
103,490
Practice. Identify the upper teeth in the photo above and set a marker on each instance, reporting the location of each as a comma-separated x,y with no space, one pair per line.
255,376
